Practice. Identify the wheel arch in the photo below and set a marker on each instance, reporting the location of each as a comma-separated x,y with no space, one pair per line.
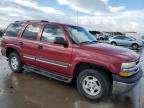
114,42
134,43
12,49
83,65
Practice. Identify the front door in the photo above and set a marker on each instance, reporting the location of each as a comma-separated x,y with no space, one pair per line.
51,56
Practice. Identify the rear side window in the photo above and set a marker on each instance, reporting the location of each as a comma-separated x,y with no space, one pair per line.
13,30
119,37
127,38
31,32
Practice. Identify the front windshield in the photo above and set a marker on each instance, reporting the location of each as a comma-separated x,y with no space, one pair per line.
80,35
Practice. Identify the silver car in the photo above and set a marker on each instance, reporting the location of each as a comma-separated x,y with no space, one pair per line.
126,41
143,40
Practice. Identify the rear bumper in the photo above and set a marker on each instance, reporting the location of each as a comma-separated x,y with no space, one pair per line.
125,84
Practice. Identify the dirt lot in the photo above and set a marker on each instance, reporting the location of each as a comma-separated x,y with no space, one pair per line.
29,90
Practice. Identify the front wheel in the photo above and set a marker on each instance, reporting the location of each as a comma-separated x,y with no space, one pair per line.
135,46
114,43
15,62
93,84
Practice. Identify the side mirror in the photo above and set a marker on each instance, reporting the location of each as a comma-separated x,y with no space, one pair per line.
130,39
60,40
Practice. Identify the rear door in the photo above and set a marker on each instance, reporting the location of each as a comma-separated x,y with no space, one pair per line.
51,56
119,40
127,41
28,43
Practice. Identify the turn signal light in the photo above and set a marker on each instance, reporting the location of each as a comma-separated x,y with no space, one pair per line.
124,74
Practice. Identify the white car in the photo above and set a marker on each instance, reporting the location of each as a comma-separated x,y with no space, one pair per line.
126,41
142,39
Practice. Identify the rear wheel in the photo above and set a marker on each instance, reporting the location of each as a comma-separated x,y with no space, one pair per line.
135,46
101,38
114,43
93,84
15,62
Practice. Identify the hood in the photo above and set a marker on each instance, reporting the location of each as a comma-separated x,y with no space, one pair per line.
138,40
114,50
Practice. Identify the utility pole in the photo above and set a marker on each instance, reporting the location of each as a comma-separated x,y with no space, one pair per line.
76,18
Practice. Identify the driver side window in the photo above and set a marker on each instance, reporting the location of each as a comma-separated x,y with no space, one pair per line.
51,32
127,38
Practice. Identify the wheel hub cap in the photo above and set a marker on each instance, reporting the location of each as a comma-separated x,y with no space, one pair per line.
14,63
134,46
91,85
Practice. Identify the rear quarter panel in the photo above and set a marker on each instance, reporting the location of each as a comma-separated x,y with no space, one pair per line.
11,42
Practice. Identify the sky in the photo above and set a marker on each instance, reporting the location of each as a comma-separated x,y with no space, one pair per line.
101,15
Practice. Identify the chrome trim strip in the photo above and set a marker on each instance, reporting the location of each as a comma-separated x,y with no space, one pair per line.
53,62
32,58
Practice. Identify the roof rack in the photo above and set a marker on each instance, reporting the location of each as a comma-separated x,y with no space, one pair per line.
23,21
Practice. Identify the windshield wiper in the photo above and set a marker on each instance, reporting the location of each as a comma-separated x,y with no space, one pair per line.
88,42
95,41
85,42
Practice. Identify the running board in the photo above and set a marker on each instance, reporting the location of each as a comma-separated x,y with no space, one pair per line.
47,73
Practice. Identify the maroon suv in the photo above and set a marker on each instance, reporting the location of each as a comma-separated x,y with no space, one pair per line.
70,54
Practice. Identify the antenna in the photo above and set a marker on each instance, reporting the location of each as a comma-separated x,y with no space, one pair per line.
77,15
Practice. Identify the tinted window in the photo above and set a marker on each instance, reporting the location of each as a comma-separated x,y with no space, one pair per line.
50,33
126,38
31,32
13,30
119,37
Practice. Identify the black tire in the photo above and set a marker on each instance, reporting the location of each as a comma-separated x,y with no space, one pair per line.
18,68
104,82
135,46
101,38
114,43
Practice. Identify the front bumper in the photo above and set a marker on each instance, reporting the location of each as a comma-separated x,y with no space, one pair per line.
125,84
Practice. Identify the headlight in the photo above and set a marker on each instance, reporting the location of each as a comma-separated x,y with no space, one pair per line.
126,69
128,65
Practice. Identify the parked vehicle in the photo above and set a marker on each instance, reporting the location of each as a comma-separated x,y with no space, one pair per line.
103,36
1,33
126,41
100,35
70,54
143,39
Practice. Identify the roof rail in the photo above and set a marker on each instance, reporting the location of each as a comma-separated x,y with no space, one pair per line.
22,21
